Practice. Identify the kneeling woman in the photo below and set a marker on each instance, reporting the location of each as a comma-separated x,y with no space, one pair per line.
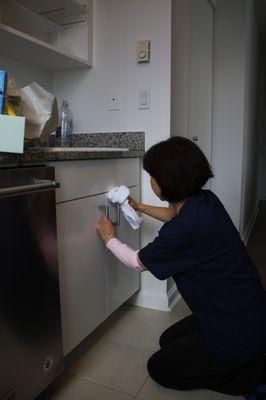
221,345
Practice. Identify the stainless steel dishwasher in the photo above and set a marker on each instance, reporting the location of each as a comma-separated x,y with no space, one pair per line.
30,323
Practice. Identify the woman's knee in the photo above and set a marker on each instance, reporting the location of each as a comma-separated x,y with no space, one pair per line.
178,330
160,373
154,367
167,336
158,370
163,339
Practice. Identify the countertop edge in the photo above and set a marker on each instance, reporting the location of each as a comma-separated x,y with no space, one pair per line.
134,141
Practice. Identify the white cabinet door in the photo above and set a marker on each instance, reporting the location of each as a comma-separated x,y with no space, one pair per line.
122,282
82,267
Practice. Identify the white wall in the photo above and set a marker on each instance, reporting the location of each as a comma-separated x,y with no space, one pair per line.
233,111
119,24
25,74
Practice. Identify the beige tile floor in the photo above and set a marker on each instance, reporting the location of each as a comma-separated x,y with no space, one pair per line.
111,364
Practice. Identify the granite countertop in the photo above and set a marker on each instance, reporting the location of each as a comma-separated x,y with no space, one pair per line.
99,145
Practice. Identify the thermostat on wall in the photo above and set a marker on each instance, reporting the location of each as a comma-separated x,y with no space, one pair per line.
143,51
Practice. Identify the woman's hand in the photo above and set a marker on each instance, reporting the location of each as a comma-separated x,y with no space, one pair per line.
133,203
163,214
106,229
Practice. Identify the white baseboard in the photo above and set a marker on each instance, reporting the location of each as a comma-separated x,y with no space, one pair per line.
173,297
249,228
148,299
175,301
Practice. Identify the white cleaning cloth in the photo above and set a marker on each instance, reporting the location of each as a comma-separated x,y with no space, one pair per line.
119,194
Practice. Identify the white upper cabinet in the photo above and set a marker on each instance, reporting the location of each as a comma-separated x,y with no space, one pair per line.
52,34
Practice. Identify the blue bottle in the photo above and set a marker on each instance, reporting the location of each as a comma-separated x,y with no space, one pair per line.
3,89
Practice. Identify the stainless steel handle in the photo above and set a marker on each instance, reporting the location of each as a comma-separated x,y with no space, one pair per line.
117,222
107,213
39,185
106,210
118,214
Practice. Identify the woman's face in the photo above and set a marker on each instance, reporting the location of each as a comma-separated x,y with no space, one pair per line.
156,188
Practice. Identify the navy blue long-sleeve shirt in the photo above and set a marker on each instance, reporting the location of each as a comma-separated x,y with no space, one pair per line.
202,250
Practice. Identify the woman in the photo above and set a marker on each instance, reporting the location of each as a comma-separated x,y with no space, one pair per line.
221,345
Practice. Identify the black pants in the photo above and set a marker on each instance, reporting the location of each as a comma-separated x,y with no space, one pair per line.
185,363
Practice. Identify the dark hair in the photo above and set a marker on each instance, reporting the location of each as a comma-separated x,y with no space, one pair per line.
179,167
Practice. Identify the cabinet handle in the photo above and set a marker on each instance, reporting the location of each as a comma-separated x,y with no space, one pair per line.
108,213
23,189
118,214
105,210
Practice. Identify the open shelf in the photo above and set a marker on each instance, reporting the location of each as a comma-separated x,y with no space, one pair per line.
24,48
53,14
53,35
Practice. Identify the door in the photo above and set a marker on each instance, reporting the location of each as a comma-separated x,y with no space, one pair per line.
122,282
192,72
82,267
200,65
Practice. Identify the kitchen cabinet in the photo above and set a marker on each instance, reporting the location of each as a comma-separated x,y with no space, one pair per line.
39,34
93,283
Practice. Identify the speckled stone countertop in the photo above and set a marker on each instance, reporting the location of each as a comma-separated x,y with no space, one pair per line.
133,141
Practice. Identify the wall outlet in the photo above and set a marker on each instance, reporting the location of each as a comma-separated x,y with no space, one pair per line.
113,101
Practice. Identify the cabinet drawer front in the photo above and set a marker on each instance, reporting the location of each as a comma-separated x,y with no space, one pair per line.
85,178
82,270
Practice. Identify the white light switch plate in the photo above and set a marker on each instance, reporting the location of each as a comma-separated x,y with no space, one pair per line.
143,98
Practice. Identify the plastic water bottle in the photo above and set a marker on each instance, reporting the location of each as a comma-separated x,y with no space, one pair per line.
65,128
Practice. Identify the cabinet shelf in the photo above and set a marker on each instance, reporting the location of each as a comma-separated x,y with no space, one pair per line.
40,22
52,14
27,49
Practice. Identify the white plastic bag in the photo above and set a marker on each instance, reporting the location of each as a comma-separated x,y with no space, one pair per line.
41,112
